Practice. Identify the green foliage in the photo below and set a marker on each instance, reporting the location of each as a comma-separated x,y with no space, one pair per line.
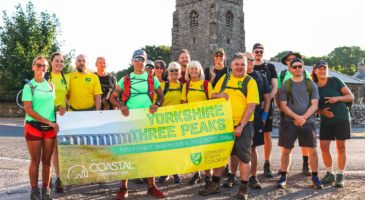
158,53
23,36
124,72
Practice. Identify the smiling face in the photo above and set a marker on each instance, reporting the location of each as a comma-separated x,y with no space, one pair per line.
40,67
81,63
219,58
297,69
100,64
159,70
184,59
239,67
258,54
57,63
138,64
321,72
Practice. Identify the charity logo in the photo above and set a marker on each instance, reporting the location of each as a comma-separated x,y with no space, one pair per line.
77,172
240,83
88,80
196,158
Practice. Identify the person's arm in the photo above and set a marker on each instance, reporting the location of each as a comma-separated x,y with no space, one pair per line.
159,101
114,100
97,99
274,89
220,95
298,120
29,110
312,109
347,96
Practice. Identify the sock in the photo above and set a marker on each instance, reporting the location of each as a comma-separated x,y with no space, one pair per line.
314,174
305,160
244,182
340,172
267,162
216,179
283,173
329,169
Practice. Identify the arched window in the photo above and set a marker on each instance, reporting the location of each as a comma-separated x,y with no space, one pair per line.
229,19
194,18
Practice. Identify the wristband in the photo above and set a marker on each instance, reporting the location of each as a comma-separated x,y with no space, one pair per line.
264,116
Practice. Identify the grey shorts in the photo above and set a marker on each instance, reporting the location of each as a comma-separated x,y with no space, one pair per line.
243,143
289,134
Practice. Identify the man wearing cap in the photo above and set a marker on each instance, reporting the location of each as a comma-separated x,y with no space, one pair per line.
286,75
183,60
85,88
298,120
107,81
268,70
150,66
214,73
139,97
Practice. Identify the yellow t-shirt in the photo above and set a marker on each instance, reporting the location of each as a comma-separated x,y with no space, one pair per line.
173,95
196,91
62,86
238,100
83,88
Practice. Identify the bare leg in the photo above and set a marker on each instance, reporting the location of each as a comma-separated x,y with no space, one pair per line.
234,164
326,154
253,161
267,146
48,146
341,154
285,159
313,158
34,148
245,169
55,161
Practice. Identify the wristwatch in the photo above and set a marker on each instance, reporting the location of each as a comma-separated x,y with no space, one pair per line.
158,103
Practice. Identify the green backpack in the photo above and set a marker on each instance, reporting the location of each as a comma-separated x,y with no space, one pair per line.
244,84
288,89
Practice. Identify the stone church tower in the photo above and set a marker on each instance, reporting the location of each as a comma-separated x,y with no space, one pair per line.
201,26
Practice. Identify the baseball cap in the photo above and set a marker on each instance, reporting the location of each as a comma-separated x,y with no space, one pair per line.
150,64
219,50
288,53
296,60
258,46
140,54
321,63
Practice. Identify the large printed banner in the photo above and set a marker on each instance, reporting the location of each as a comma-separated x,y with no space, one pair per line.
96,146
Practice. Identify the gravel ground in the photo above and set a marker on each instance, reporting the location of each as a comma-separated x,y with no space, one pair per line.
14,183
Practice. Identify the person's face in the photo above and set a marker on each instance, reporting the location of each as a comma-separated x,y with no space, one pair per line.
250,62
58,63
173,73
184,59
159,70
289,59
194,72
258,54
219,58
297,69
40,67
148,70
139,63
80,63
239,67
100,64
321,72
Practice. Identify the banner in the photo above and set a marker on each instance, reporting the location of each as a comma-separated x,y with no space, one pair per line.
98,146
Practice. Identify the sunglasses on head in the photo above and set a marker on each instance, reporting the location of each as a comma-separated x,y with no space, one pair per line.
297,66
259,52
139,59
173,70
40,65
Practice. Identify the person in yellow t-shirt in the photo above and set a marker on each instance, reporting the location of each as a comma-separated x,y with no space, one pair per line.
85,88
195,82
61,82
244,105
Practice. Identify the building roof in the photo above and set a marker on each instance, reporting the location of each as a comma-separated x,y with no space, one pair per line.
359,75
344,77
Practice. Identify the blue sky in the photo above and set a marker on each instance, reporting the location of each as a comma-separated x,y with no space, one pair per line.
114,29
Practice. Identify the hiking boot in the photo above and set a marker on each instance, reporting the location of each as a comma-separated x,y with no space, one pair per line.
50,183
254,183
243,192
154,191
267,171
226,172
306,171
231,180
282,182
122,194
329,178
316,183
195,179
163,179
35,194
340,181
58,186
46,194
177,179
212,188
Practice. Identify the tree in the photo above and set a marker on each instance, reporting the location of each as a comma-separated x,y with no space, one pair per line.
158,53
345,59
23,36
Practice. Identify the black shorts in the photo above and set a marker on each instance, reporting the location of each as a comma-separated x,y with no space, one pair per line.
268,124
242,145
306,135
258,136
338,131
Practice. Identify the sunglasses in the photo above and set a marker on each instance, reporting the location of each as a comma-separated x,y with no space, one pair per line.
41,65
218,55
173,70
159,68
139,59
259,52
297,66
250,59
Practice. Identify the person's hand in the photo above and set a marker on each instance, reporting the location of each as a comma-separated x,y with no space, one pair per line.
212,72
54,126
326,112
331,99
62,110
153,109
238,131
299,121
124,110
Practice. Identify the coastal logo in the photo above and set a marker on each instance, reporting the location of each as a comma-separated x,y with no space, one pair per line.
196,158
77,172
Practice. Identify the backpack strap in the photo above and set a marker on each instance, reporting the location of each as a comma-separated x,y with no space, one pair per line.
187,88
151,86
245,84
127,89
225,81
288,89
205,86
282,76
167,86
267,70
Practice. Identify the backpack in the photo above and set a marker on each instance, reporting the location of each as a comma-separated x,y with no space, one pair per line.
260,83
205,88
267,71
127,87
288,87
111,85
282,75
244,84
167,88
333,81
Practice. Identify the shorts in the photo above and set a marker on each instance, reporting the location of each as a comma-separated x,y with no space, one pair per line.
243,143
268,124
337,131
32,133
306,135
258,136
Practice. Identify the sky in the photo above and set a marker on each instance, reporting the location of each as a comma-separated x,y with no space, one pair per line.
114,29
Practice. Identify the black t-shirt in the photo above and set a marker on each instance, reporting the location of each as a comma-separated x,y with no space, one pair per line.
108,84
262,86
218,74
268,71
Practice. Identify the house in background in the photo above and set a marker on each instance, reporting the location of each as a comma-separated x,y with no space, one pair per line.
360,74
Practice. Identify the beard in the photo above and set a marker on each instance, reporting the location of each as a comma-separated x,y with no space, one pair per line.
80,68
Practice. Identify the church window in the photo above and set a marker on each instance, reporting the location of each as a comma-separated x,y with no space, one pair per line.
229,19
194,18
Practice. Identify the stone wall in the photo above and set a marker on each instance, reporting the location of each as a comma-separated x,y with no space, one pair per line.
357,116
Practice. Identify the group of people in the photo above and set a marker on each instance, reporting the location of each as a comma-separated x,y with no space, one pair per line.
252,85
